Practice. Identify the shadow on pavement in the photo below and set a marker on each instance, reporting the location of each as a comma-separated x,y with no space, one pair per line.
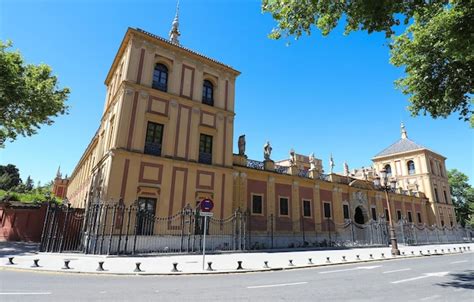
460,280
10,248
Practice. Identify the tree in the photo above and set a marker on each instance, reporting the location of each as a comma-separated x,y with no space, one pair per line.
9,177
29,184
436,49
463,196
29,96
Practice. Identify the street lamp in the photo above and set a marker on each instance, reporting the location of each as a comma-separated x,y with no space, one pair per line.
387,185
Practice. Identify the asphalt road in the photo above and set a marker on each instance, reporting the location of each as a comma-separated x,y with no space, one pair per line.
431,278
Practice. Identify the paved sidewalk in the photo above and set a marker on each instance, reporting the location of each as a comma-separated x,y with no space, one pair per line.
222,263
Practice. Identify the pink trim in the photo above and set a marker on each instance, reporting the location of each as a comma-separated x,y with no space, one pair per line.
222,195
152,99
132,120
140,66
182,81
198,185
178,128
124,179
173,182
201,120
151,181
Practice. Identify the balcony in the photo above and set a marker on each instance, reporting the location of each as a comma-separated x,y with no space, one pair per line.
153,149
205,158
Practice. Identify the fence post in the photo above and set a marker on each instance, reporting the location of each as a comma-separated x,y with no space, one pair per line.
136,231
122,213
352,232
128,229
45,225
234,230
112,226
182,231
437,233
102,236
61,245
52,227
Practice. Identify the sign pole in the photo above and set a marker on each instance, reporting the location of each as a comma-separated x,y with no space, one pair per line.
204,243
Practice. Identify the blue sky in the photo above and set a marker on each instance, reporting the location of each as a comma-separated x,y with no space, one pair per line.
320,94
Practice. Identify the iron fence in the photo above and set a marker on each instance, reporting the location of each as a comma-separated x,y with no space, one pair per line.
113,228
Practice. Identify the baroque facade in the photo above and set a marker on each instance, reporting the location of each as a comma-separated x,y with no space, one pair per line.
166,140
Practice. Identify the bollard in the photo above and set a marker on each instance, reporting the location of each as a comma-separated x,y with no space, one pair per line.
357,257
100,268
209,267
460,249
412,252
175,267
371,256
137,267
35,263
291,263
449,250
327,260
239,265
265,264
468,248
383,255
310,261
403,253
436,251
10,261
344,258
421,253
66,264
442,251
428,252
454,249
464,248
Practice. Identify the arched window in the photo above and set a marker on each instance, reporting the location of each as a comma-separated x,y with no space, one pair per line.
388,169
160,77
411,167
208,93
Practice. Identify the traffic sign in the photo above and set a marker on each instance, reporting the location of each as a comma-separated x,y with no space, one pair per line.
206,205
206,214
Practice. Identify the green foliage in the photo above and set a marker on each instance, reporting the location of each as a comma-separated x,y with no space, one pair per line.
9,177
463,196
437,49
29,96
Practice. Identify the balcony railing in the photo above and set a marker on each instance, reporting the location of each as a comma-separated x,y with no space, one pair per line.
255,164
281,169
153,149
205,158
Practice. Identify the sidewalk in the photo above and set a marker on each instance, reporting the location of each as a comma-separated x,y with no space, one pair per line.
222,263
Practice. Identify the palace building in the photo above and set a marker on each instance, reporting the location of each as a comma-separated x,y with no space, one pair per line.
166,140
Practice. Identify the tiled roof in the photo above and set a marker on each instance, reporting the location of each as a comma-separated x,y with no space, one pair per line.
187,49
402,145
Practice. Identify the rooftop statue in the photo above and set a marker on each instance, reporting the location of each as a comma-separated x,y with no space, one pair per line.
312,162
346,169
331,164
267,151
242,145
292,157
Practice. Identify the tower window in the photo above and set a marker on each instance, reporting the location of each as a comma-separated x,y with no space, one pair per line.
418,214
257,204
307,208
445,196
388,169
345,209
411,167
208,93
410,219
160,77
436,195
374,214
327,210
399,215
284,211
205,149
154,138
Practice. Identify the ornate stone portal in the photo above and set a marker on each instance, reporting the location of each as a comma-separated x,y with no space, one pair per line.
359,205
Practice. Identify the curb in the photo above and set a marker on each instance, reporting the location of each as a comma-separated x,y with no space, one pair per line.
216,272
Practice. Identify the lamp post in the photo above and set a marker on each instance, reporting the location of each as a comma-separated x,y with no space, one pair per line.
387,186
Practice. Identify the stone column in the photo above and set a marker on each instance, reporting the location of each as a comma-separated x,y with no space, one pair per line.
295,206
269,165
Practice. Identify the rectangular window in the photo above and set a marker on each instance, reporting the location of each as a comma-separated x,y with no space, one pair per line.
387,216
307,208
284,206
146,216
327,210
374,214
345,209
154,138
205,149
436,195
410,219
445,196
399,215
418,214
257,204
